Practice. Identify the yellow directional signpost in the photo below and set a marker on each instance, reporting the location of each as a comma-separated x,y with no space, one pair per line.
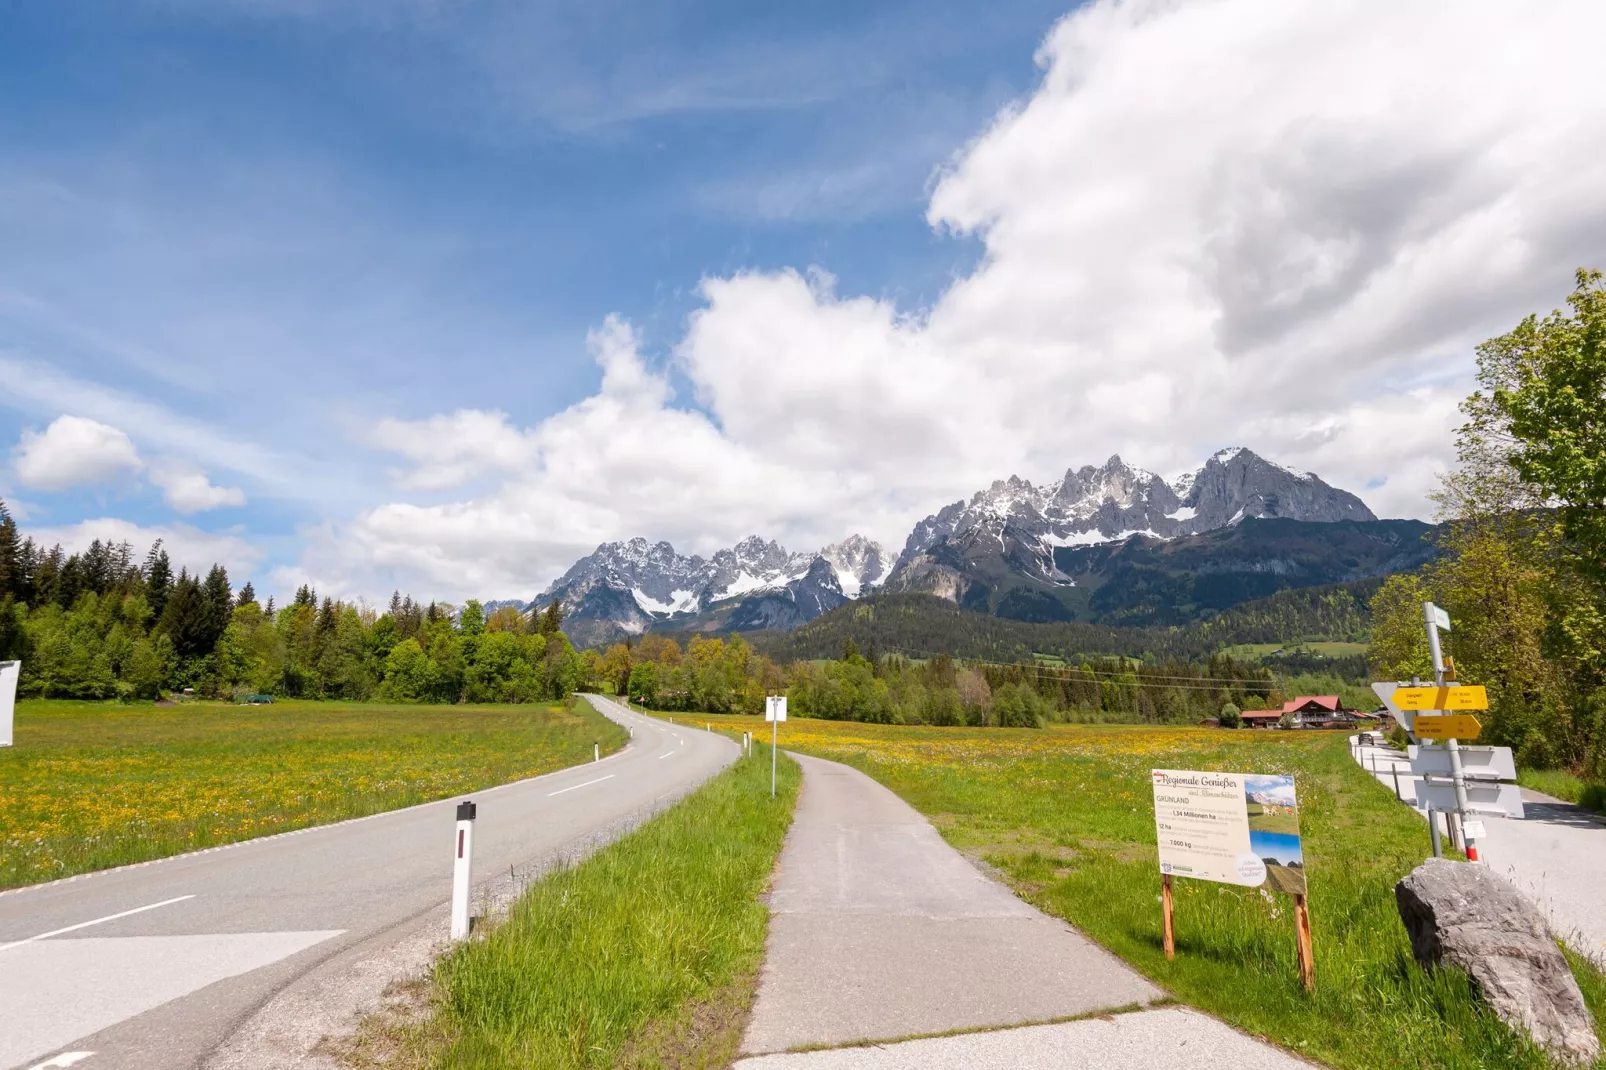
1449,697
1448,726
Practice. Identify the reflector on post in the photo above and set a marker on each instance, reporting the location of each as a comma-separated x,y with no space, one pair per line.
462,862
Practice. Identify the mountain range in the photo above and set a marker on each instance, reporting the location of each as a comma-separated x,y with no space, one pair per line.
1061,551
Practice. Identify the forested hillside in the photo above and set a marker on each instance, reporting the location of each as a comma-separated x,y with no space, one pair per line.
101,624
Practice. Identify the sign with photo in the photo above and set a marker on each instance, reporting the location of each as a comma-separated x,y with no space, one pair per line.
1235,828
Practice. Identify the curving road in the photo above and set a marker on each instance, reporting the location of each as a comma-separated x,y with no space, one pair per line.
158,965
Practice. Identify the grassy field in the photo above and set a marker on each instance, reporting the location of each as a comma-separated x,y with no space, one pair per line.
1560,784
92,785
644,955
1066,816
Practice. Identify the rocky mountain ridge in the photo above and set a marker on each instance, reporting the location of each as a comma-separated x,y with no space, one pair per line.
972,552
1014,528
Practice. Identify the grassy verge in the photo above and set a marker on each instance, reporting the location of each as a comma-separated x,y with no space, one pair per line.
1565,786
1066,816
92,785
644,955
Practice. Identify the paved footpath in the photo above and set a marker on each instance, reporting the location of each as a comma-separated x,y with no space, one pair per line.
1556,854
880,930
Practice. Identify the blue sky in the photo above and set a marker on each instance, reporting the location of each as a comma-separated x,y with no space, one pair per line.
283,221
362,266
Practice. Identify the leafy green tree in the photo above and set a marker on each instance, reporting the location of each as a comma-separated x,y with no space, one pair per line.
1546,384
1230,716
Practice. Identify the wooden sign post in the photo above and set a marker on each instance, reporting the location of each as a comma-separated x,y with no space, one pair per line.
1305,947
1165,906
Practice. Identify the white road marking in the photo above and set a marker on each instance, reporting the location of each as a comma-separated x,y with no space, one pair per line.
667,754
58,992
587,784
97,921
66,1058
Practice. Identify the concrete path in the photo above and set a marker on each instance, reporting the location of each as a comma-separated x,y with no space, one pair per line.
880,930
1170,1039
159,965
1556,854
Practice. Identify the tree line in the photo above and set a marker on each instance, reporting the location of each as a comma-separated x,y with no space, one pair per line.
726,675
102,624
1523,569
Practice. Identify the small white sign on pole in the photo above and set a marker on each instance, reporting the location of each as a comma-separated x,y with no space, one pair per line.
1477,763
1487,797
775,708
9,671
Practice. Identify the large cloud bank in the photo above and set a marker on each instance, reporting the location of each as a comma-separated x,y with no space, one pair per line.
1214,223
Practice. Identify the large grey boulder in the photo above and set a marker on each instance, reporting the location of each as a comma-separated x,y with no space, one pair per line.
1461,914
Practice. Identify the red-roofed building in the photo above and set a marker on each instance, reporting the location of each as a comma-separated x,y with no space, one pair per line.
1306,711
1319,711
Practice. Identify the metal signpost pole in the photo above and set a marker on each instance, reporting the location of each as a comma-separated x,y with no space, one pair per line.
1437,618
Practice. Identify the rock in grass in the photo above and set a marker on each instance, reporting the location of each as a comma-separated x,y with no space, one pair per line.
1463,915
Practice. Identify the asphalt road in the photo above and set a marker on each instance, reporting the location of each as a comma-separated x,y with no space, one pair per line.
157,965
1556,854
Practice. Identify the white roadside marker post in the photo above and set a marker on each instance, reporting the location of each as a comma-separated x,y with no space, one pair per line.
774,713
460,868
596,751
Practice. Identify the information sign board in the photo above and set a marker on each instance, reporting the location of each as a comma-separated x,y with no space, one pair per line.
775,708
9,671
1447,726
1235,828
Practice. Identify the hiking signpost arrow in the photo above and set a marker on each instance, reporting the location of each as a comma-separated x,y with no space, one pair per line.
1441,712
1448,726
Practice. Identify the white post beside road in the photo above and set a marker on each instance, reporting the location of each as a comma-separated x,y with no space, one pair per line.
774,713
461,864
596,751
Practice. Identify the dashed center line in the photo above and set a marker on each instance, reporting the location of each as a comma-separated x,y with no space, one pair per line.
576,787
66,1058
97,921
667,754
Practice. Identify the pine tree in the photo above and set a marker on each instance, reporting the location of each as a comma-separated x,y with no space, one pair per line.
248,594
11,579
186,619
219,597
269,610
551,620
158,579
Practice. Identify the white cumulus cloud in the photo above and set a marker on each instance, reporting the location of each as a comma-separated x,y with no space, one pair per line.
74,451
187,489
78,451
1213,223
